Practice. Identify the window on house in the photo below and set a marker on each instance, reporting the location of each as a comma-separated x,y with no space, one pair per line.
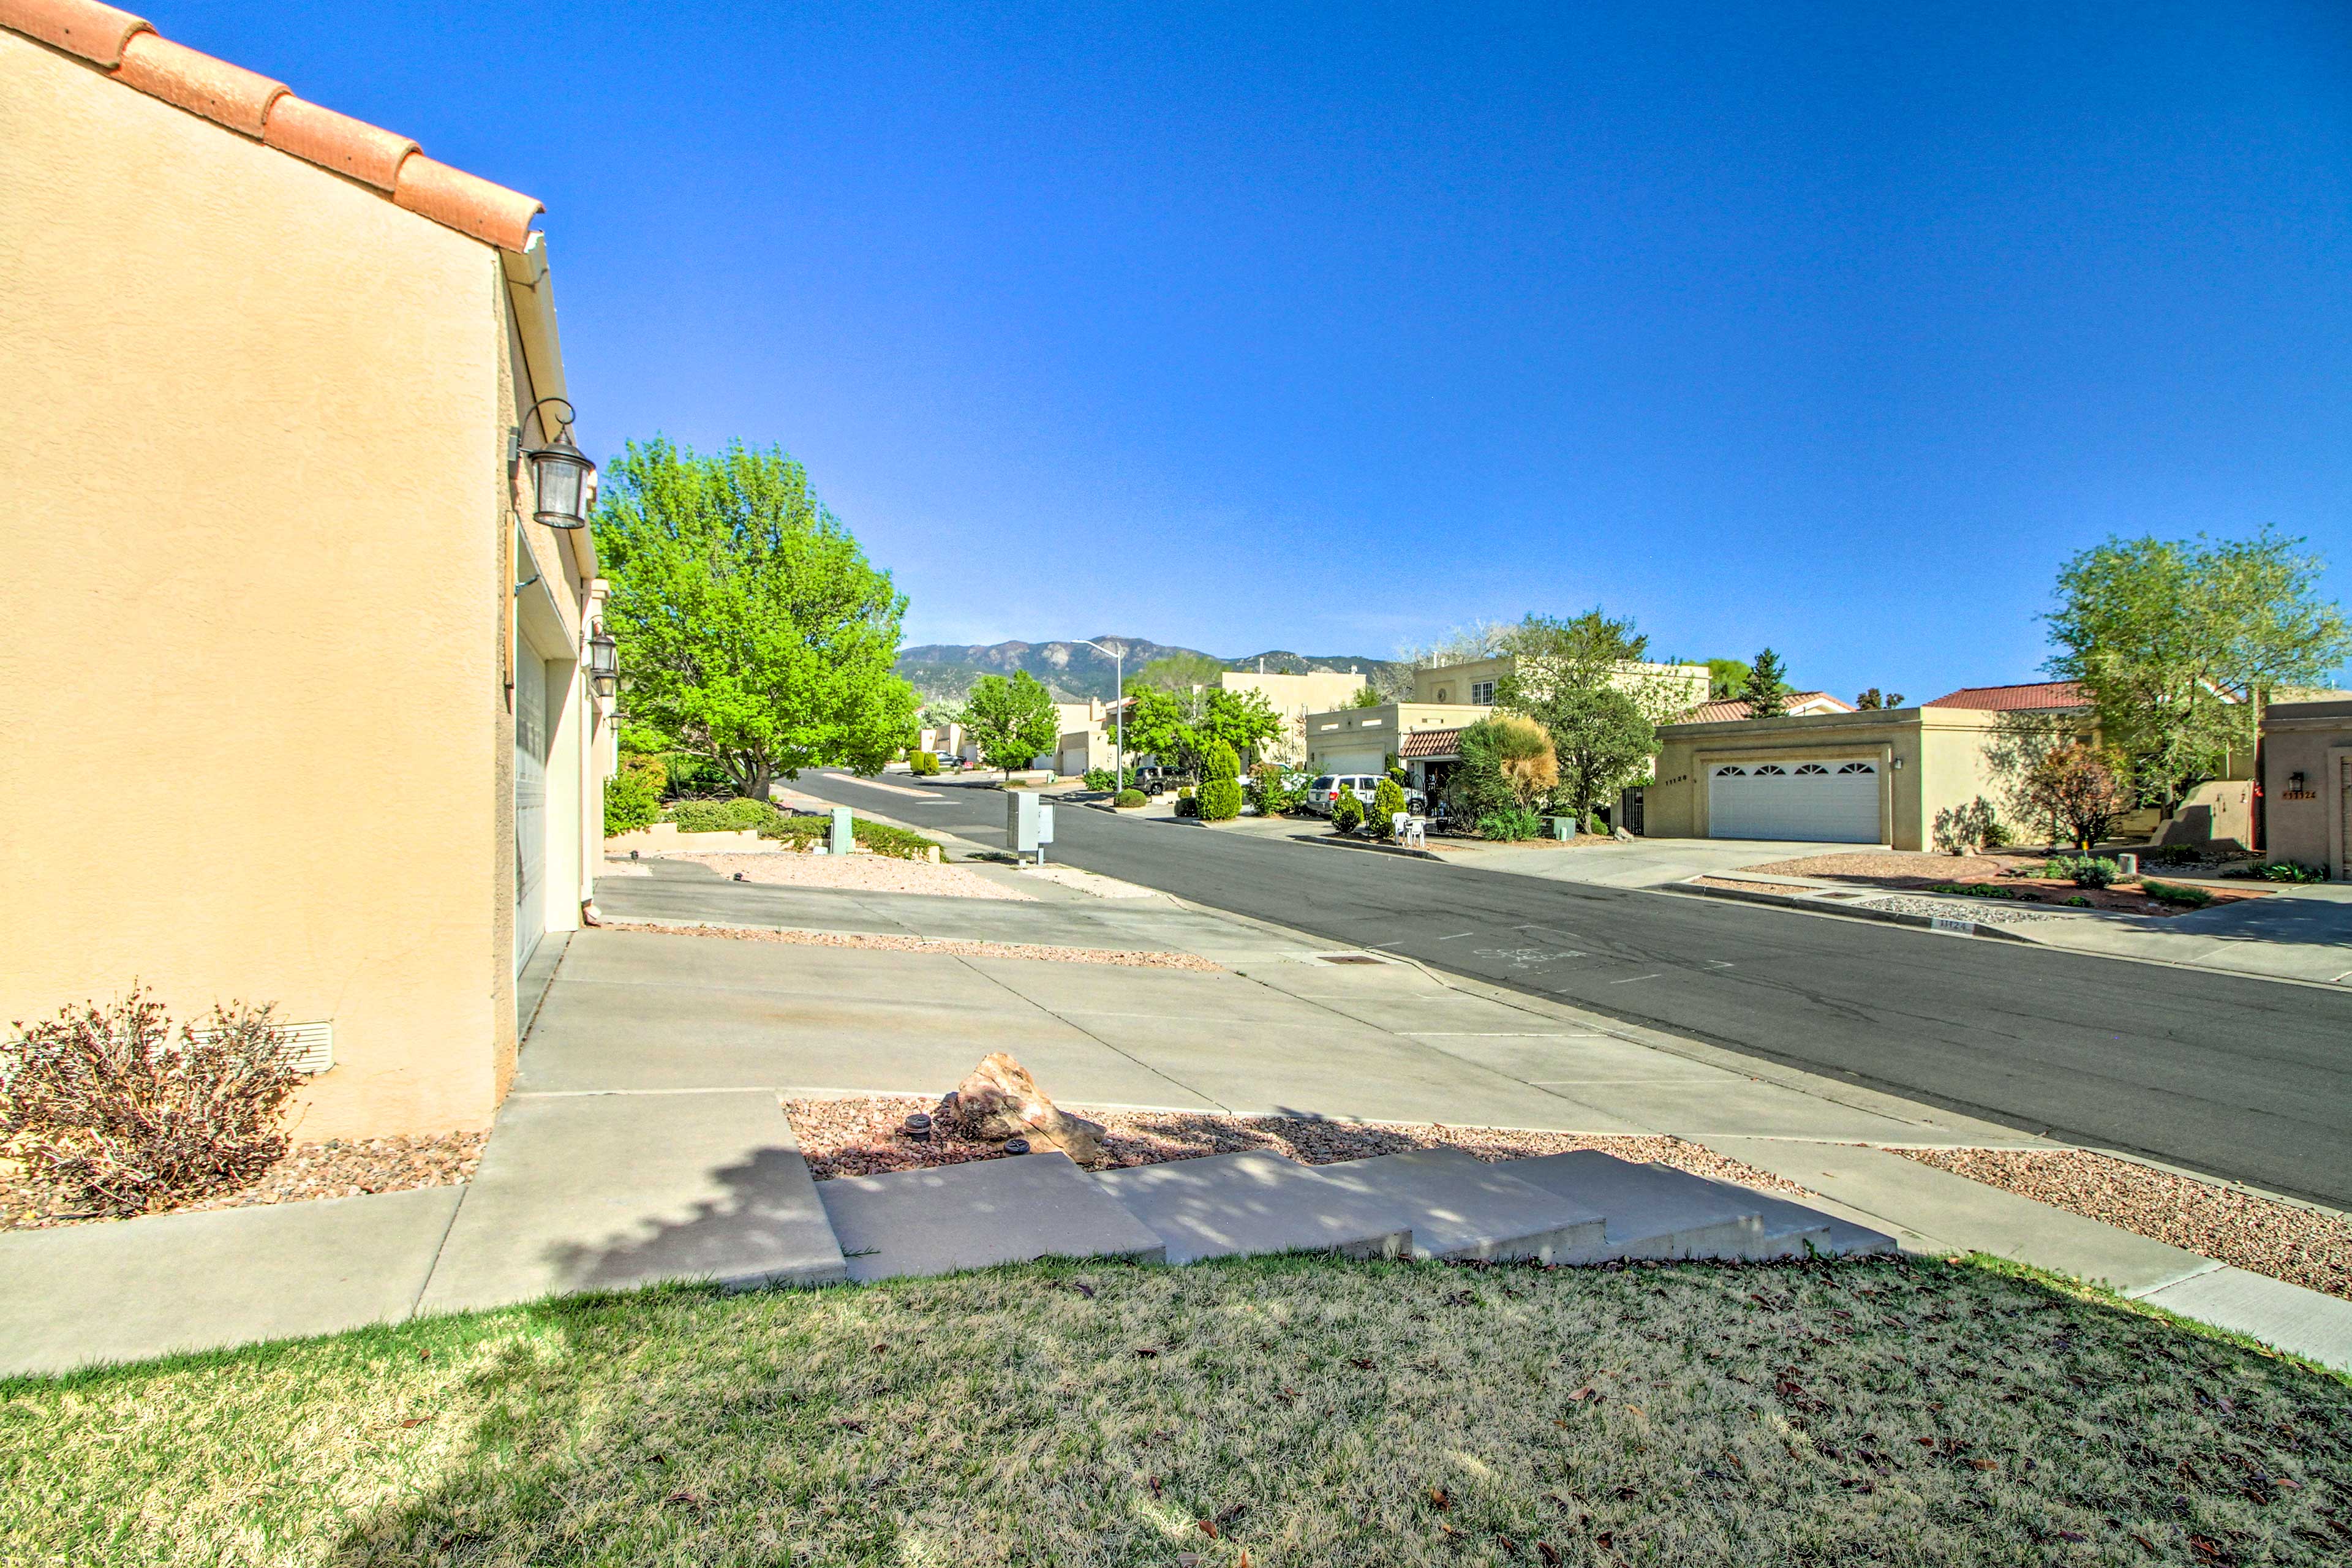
1812,768
1857,768
1775,772
1731,773
1482,692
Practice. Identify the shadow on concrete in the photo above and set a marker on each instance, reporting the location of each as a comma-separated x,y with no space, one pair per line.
765,1228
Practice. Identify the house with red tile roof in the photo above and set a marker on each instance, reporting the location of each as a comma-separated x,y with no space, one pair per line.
299,622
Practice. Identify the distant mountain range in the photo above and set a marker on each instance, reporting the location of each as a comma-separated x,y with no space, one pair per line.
944,672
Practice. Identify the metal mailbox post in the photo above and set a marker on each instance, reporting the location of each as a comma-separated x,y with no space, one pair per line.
1028,823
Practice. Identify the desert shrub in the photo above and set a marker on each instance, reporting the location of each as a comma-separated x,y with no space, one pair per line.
694,778
1388,799
1964,829
1510,827
1220,800
1979,889
2288,871
734,815
653,769
1128,798
1347,812
105,1103
1101,779
923,765
2174,893
2093,871
1508,764
2079,900
2081,788
1996,835
1269,792
630,801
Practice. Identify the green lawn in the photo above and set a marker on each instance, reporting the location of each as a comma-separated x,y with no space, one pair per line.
1313,1413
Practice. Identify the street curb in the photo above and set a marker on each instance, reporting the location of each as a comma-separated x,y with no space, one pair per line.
1333,842
1815,907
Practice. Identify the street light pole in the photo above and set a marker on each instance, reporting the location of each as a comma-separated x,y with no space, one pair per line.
1118,699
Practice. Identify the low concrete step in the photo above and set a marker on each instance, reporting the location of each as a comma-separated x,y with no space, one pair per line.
1458,1205
971,1215
1231,1204
1659,1212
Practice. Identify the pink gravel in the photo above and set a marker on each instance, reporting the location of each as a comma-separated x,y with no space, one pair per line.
954,946
337,1168
859,873
864,1135
2263,1236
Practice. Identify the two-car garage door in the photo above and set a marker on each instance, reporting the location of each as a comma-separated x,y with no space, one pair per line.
1834,801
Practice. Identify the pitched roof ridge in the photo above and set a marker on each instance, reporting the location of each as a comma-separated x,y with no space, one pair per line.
129,49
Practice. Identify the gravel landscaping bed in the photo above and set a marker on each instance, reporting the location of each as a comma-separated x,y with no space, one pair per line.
337,1168
1984,911
2255,1233
1131,958
859,873
863,1136
1893,867
1909,870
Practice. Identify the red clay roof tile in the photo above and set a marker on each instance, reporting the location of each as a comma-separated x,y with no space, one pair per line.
2007,698
1731,709
97,33
226,94
337,141
256,106
1431,743
465,202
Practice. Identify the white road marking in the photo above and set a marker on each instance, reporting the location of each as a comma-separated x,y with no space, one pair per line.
1377,945
1631,978
1457,936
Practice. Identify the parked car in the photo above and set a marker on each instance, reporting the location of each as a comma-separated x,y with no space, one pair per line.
1323,791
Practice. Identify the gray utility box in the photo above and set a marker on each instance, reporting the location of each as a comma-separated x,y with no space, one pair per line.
1028,822
843,839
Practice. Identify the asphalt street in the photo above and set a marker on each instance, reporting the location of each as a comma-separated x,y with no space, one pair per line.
2243,1078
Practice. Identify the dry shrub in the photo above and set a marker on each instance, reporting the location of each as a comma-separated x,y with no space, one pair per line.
106,1103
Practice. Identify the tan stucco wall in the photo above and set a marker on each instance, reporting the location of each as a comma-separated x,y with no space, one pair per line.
1295,697
253,732
1359,740
1451,683
2312,739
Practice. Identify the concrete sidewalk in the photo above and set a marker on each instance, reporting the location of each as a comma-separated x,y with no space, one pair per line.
645,1140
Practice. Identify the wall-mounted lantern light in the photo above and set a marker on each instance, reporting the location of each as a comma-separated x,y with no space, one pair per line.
560,473
2295,783
604,662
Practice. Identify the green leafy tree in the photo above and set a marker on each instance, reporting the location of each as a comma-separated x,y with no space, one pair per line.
1602,742
2274,629
1187,676
1011,718
1366,697
1873,699
754,634
1244,721
1727,679
1158,726
1767,694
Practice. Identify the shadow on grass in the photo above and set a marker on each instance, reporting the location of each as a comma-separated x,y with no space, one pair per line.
1322,1412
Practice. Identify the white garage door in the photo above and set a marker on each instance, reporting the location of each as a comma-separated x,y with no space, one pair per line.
530,804
1832,802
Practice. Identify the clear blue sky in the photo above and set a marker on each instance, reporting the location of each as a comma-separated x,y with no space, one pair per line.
1835,328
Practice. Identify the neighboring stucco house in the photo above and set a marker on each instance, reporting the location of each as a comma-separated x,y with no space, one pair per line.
1869,776
291,699
2308,783
1794,705
1364,740
1294,697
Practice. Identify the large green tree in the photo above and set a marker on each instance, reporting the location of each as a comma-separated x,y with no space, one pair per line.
1012,720
1242,720
2180,643
1767,694
754,634
1602,741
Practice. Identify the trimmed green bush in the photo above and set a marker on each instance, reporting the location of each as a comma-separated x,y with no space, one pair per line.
1388,799
878,837
631,801
1510,827
1347,812
1128,798
735,815
1101,778
1220,800
923,765
2288,871
2174,893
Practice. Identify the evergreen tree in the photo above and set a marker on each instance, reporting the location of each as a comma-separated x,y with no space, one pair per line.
1767,694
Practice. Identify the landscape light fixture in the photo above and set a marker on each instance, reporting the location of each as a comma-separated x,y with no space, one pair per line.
604,662
559,471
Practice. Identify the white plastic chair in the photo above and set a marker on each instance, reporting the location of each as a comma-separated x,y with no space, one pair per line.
1407,829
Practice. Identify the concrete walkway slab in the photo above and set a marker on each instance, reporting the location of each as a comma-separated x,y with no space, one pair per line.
1957,1213
1460,1207
978,1214
1655,1212
2272,1311
1229,1206
131,1290
609,1191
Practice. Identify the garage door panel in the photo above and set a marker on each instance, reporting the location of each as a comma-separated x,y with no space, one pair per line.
1834,801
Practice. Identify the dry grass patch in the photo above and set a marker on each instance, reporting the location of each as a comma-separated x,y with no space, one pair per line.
2286,1241
1284,1412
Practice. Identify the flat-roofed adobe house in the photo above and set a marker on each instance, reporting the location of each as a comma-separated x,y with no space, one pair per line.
292,701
